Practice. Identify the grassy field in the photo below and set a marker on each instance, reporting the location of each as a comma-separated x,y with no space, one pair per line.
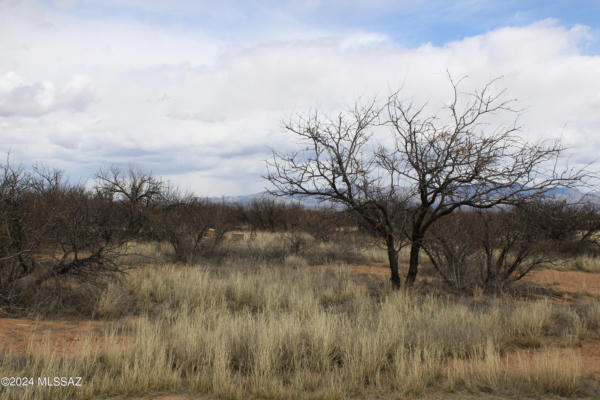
287,331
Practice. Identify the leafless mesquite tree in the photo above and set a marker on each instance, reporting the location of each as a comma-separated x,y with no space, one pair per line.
341,166
137,189
467,162
134,190
438,164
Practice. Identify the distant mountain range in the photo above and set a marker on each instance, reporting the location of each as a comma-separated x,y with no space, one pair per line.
307,202
571,195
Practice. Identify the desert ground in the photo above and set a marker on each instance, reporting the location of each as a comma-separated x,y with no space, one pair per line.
247,328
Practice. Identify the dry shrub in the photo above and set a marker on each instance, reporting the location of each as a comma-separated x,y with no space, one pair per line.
59,298
54,233
566,323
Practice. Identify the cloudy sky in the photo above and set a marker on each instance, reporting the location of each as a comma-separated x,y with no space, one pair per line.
196,90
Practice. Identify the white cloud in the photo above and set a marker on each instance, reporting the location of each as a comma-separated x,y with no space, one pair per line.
80,94
363,40
21,98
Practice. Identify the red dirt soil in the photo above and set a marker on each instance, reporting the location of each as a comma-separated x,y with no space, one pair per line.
568,281
590,358
63,337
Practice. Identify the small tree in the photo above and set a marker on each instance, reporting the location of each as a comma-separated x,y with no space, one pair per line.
464,161
435,167
135,190
340,166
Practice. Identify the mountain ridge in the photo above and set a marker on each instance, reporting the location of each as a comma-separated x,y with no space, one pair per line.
570,195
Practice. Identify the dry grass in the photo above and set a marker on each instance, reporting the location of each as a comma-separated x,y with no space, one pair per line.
591,317
271,332
295,262
137,253
582,263
530,318
549,371
273,248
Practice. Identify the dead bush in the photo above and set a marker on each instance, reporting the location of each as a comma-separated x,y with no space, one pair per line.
56,234
494,248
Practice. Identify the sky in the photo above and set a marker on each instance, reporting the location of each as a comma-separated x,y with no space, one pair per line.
197,91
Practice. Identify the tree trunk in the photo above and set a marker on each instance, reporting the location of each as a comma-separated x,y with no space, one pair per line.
393,258
413,266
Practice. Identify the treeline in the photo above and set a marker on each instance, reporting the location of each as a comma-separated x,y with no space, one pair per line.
53,231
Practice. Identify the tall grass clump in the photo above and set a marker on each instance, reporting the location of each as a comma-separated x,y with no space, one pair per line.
529,319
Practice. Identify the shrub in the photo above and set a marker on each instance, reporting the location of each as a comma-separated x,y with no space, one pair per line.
54,232
495,248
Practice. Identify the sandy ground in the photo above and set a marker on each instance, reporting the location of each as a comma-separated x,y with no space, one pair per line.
572,282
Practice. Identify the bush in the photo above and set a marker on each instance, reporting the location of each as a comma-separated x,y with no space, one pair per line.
495,248
54,232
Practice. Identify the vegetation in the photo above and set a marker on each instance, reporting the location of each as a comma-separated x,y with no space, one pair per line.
438,164
270,332
492,249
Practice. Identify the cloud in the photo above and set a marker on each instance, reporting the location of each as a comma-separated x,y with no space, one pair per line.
21,98
82,93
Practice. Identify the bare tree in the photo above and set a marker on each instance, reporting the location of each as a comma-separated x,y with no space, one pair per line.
134,187
514,242
135,190
18,239
467,162
573,225
436,166
340,166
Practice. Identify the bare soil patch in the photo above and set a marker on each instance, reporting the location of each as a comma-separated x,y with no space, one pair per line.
16,334
590,358
570,282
